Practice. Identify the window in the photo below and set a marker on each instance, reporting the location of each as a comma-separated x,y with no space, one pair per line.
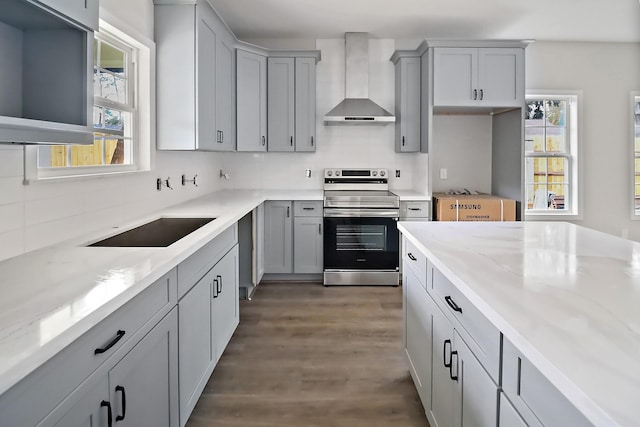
122,76
635,100
551,149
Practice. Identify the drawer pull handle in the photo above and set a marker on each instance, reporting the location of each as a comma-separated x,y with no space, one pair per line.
109,413
214,284
452,304
415,209
308,209
124,403
113,342
444,353
411,257
219,281
264,141
453,377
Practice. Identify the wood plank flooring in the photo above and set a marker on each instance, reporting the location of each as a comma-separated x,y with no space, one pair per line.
305,355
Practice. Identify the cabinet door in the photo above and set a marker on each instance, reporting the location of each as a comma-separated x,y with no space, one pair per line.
455,73
305,104
143,385
194,326
419,314
278,241
225,309
281,104
442,386
501,77
476,395
90,411
224,93
251,101
408,105
508,415
207,135
307,245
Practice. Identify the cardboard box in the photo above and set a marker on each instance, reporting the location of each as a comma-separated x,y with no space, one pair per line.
473,207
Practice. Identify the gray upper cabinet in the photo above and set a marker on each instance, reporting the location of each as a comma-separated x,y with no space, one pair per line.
251,101
57,38
278,242
484,77
407,75
281,104
195,78
291,104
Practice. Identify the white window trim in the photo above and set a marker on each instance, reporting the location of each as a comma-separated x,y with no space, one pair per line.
144,132
576,211
632,207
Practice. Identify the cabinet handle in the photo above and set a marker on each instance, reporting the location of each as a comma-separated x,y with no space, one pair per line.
291,139
215,288
411,257
403,141
319,228
109,413
481,94
287,211
453,377
264,141
475,94
219,282
222,137
308,209
444,354
111,343
415,209
124,403
452,304
312,140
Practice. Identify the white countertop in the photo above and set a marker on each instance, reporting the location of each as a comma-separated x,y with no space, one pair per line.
566,296
52,296
411,196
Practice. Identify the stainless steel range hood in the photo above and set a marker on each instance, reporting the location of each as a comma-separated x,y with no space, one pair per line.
357,108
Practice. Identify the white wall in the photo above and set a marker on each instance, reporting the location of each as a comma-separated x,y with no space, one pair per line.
42,214
337,146
606,73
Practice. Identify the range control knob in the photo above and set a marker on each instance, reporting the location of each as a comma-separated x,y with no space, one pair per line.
374,173
382,173
337,173
329,173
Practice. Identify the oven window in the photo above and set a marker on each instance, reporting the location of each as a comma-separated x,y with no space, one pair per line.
357,237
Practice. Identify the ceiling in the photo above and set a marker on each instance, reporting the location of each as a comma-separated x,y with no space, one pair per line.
566,20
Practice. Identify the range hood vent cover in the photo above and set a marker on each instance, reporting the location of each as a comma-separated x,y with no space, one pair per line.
357,108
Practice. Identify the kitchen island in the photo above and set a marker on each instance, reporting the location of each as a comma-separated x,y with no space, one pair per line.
564,300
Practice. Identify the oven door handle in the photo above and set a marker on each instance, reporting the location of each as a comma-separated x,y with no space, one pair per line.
361,212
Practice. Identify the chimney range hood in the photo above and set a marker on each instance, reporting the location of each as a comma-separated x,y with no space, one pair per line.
357,108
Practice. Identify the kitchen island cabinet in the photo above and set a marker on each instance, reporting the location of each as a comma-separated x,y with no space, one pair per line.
541,286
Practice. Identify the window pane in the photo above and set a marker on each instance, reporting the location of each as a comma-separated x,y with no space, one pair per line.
110,120
110,87
540,170
555,112
52,156
535,113
558,196
556,170
112,59
87,155
534,139
637,126
556,140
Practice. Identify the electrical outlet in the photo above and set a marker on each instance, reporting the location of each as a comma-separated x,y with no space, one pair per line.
443,173
397,173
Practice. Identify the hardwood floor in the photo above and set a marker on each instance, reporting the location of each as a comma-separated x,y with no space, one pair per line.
305,355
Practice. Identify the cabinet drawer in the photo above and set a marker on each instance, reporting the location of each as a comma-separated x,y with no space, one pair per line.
310,208
411,256
34,397
537,400
480,335
414,210
193,268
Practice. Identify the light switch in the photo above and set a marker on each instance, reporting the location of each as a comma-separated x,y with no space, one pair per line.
443,173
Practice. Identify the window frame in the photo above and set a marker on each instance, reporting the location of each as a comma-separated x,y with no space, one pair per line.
111,29
572,154
633,98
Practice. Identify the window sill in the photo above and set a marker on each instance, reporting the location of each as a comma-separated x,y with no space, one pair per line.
552,216
82,176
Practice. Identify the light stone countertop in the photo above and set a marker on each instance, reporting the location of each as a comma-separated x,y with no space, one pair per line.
566,296
52,296
411,196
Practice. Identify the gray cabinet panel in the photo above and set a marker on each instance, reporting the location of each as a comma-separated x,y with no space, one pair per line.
147,378
281,104
442,387
278,240
207,137
307,244
225,309
501,76
84,12
87,412
454,74
508,416
407,113
305,104
224,76
251,96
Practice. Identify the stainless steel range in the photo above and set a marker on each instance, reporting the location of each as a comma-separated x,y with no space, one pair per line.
360,232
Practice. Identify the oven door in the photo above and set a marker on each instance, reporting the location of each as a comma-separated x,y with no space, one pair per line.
360,243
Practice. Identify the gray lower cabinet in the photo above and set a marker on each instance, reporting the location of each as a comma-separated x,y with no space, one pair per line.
508,416
407,88
208,316
441,412
307,244
251,101
140,390
278,242
291,104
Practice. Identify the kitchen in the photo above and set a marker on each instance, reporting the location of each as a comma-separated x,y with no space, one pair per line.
42,214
